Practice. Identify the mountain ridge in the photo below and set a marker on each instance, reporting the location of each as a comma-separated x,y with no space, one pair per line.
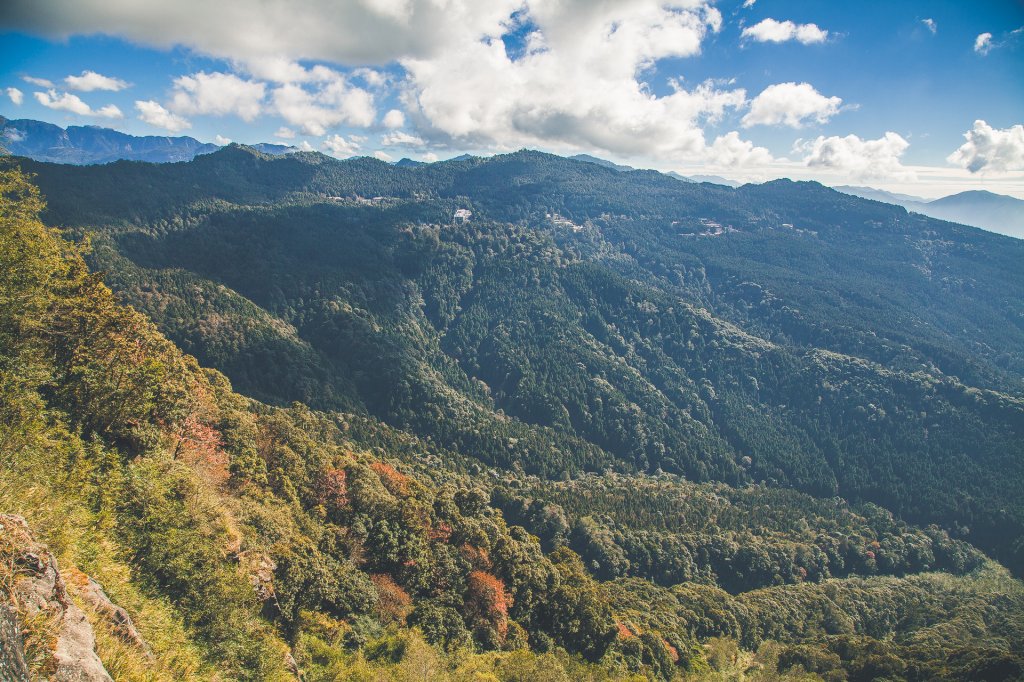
791,283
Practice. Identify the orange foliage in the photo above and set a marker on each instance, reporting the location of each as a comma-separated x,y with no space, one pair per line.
624,631
395,481
332,490
672,651
476,556
393,603
490,601
201,446
442,532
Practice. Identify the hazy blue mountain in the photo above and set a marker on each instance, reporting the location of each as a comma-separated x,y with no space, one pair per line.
602,162
989,211
713,179
995,212
81,145
406,162
880,195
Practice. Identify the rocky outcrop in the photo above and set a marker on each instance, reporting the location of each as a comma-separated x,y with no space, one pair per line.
39,591
12,649
92,592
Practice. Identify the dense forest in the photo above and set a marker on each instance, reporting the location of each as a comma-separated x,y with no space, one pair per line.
614,426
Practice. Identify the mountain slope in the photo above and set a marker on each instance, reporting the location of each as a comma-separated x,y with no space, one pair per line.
783,333
244,541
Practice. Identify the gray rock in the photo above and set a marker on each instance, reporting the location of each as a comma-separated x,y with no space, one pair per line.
41,590
12,649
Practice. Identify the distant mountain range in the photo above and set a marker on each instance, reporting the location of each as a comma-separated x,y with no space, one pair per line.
82,145
993,212
713,179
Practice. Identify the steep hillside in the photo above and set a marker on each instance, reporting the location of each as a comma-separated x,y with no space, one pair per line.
201,535
586,318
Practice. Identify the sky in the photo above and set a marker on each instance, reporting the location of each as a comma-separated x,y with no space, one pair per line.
924,98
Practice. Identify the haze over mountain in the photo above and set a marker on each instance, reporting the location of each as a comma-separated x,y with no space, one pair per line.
95,144
993,212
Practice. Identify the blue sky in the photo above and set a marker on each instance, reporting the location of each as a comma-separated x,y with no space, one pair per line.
871,93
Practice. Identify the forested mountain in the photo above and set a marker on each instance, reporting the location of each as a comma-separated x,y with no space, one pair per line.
608,424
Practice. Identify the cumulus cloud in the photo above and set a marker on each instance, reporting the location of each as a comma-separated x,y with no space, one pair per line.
218,94
394,119
383,156
732,151
773,31
861,159
316,110
931,25
65,101
90,80
221,140
370,32
578,82
401,139
790,104
16,95
983,43
989,149
285,133
748,3
339,146
578,85
156,115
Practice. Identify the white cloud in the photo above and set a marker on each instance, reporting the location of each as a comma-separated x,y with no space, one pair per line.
861,159
90,80
368,32
990,149
41,82
398,138
339,146
748,3
327,105
285,133
730,151
65,101
394,119
931,25
218,94
791,104
305,146
983,43
578,84
16,95
155,115
772,31
109,111
578,87
221,140
383,156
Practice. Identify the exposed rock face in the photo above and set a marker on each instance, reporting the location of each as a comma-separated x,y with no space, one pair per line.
39,589
12,650
93,593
